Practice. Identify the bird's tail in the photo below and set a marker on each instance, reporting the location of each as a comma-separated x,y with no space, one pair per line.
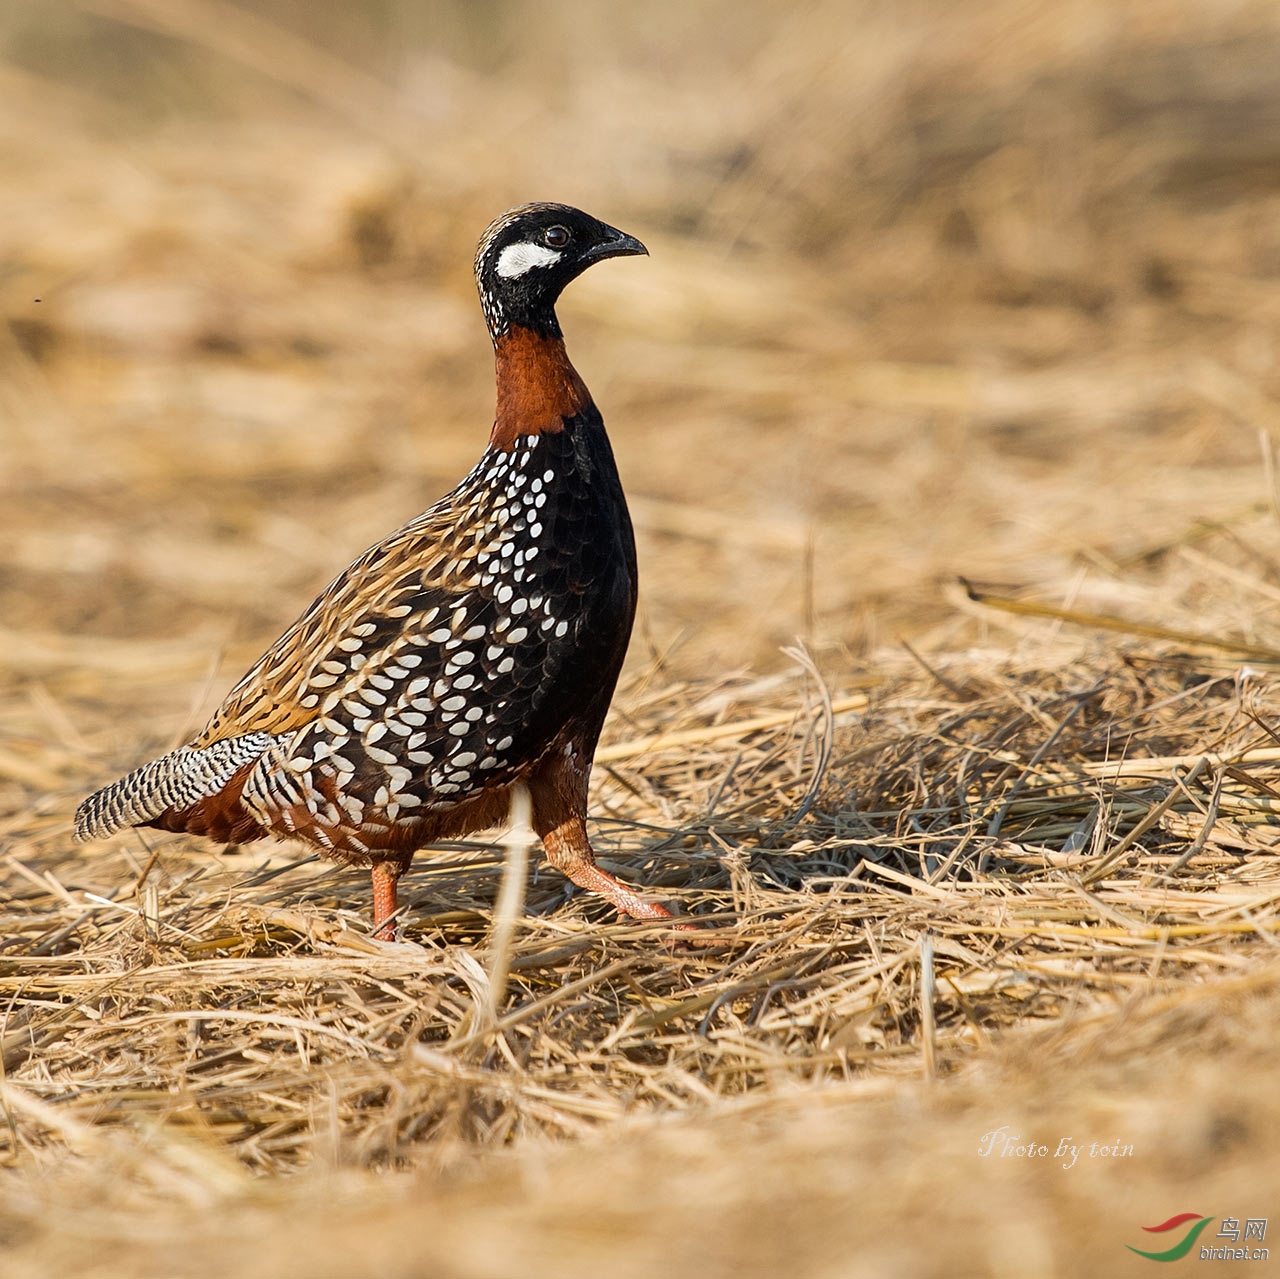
171,783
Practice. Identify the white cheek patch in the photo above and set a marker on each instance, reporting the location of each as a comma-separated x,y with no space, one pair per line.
516,259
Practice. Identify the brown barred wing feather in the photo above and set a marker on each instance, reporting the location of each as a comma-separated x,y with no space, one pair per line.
371,607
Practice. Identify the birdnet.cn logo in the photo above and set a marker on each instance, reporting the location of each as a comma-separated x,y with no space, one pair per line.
1237,1249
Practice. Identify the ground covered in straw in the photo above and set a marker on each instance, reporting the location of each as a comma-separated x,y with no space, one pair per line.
889,884
946,406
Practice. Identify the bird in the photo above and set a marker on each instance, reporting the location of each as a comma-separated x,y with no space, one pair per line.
472,651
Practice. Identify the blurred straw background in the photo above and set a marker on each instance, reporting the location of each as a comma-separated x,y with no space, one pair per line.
981,290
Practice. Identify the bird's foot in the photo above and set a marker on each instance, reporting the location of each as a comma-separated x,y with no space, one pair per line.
386,914
570,853
630,904
385,932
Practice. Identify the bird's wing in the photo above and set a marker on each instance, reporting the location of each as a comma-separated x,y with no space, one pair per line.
416,573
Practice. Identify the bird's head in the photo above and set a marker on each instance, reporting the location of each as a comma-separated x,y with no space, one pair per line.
529,254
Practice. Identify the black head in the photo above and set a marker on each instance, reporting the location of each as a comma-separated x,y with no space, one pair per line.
529,254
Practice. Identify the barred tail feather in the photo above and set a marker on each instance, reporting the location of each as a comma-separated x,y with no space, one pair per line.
170,784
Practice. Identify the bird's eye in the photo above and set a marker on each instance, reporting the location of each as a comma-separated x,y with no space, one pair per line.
556,237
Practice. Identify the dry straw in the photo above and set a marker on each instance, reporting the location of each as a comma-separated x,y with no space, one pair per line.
971,859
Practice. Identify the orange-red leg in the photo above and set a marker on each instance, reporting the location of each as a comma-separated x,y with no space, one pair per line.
386,875
569,851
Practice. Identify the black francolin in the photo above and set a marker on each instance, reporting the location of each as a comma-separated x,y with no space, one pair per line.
475,648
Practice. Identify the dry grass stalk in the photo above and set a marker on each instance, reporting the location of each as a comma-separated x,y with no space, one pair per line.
517,844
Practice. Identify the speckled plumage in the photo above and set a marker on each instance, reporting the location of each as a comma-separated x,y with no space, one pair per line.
475,647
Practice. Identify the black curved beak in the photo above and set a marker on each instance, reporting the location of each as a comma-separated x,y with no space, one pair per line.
618,245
